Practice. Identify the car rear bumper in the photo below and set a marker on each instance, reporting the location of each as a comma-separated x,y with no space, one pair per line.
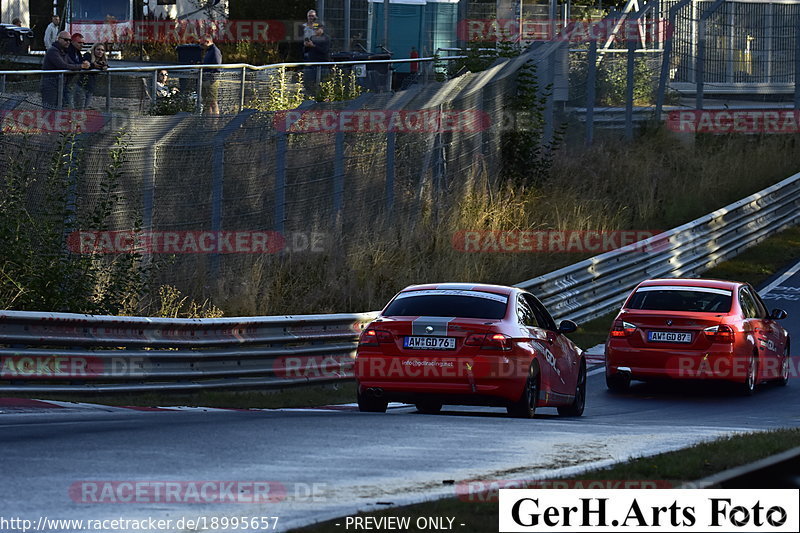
498,395
676,364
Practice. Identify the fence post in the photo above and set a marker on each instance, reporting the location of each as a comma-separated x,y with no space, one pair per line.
797,67
549,106
154,95
108,92
199,103
60,96
700,60
629,88
218,180
663,79
391,141
241,95
280,181
3,84
591,90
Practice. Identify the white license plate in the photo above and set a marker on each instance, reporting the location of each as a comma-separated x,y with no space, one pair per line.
669,336
430,343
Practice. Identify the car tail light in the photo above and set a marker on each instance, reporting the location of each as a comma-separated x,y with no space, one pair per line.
721,333
622,329
489,341
374,337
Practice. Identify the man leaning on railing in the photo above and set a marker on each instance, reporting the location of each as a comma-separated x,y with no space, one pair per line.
56,59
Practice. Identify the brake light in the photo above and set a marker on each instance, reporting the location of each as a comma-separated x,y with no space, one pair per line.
721,333
622,329
374,337
489,341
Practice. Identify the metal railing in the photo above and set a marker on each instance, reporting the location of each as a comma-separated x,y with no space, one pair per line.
235,74
59,352
62,352
598,285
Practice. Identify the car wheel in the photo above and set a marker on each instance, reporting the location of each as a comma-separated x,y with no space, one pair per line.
784,379
429,408
619,382
577,406
749,386
369,404
525,407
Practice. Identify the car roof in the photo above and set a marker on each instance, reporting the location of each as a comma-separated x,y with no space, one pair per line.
482,287
693,282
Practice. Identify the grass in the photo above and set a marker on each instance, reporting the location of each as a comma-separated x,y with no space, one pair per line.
310,396
686,465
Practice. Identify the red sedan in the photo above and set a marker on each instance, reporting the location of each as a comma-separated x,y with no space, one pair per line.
468,344
697,329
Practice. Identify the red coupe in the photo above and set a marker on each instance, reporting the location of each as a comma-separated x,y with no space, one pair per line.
469,344
697,329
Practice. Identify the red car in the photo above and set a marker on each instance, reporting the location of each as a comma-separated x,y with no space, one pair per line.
466,344
697,329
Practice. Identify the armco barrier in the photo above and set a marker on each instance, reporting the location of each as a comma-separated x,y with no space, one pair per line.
600,284
60,352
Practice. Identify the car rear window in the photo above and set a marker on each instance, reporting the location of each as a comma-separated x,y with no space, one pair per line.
455,303
676,298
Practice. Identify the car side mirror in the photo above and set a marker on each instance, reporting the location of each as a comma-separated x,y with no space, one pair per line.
567,326
778,314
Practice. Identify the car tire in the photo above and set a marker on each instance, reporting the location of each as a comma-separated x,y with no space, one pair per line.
525,407
748,386
577,406
367,404
429,408
783,380
619,382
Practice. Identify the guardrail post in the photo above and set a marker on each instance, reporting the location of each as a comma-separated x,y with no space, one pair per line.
591,90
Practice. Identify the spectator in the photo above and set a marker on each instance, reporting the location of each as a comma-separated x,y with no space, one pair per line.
56,59
210,87
309,30
163,90
17,22
73,95
98,60
51,33
318,48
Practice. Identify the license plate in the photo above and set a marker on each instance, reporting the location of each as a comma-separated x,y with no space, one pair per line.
669,336
430,343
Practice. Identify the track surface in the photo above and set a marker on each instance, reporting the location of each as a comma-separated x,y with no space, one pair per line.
335,461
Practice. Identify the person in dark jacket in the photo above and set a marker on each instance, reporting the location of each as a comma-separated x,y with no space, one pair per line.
56,59
318,49
213,56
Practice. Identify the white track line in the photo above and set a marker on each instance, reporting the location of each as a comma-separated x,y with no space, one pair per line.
783,277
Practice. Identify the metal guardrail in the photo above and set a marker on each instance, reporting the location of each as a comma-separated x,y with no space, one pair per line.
598,285
59,352
62,352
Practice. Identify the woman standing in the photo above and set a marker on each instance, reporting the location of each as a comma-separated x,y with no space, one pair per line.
98,60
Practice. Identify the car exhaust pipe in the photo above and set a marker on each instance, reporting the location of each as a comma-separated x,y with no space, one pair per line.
375,392
624,370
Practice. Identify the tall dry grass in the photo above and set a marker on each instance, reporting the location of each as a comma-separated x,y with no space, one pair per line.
657,183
